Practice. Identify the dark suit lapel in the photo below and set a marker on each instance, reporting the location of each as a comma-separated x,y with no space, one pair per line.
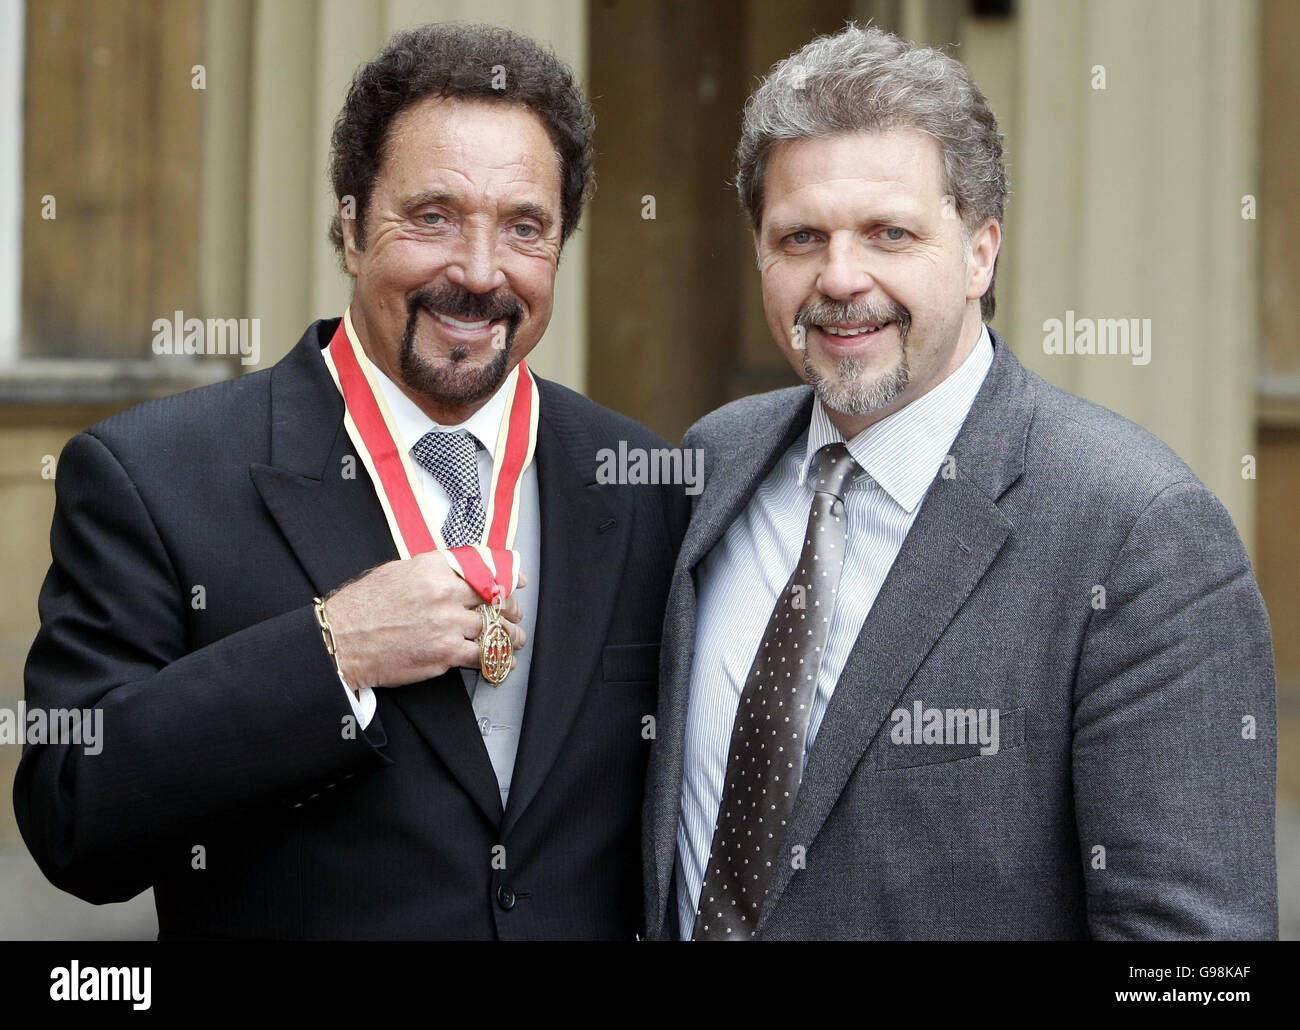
333,524
735,469
585,533
337,530
955,538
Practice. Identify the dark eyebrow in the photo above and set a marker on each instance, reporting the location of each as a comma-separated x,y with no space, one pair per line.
782,228
430,197
529,209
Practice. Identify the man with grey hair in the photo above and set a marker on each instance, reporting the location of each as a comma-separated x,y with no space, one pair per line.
949,653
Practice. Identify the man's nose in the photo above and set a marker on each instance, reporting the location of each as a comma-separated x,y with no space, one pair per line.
846,273
475,266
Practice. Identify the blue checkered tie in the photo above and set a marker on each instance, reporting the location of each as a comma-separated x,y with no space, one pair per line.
451,458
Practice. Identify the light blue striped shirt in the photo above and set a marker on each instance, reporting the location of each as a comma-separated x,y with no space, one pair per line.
739,580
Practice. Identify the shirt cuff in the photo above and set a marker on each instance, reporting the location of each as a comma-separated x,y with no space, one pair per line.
363,709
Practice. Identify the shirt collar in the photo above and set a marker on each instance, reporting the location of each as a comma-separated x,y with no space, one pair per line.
411,424
903,451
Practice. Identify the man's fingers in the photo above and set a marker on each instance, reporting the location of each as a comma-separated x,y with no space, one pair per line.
470,624
472,627
469,657
517,635
467,595
511,610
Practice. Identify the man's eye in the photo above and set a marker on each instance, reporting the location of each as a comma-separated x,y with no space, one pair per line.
895,234
800,237
431,218
524,230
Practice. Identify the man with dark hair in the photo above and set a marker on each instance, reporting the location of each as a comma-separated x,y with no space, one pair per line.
1002,669
413,703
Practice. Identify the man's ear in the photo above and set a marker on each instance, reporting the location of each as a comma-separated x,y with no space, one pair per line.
348,223
984,246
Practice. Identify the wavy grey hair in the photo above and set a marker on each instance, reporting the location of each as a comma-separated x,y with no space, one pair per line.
869,80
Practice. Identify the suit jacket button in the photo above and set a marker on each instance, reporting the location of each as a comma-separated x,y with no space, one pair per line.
505,897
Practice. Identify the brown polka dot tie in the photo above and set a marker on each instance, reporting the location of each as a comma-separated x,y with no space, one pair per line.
765,762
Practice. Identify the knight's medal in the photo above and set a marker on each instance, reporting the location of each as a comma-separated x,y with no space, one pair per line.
495,653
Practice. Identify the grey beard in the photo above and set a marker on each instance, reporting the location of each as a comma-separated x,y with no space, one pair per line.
847,395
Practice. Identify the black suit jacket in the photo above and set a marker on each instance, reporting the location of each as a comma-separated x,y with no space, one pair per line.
189,537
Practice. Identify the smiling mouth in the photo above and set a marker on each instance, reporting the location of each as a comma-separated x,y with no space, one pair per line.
848,332
456,323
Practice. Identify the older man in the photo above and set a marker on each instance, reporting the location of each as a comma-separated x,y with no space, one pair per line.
1001,668
401,505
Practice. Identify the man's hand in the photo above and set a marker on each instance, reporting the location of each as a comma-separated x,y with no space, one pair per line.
410,620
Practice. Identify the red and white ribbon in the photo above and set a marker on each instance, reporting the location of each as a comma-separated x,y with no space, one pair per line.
490,566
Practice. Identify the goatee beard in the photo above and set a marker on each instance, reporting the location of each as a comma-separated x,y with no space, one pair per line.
845,390
459,382
845,393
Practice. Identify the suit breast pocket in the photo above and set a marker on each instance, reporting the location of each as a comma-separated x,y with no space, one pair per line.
979,734
631,663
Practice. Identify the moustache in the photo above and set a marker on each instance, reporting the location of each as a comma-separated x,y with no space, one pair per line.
821,311
466,306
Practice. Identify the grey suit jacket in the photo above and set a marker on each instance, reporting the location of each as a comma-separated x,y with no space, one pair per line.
1133,792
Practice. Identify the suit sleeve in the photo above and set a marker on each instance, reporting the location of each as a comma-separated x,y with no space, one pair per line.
189,740
1174,749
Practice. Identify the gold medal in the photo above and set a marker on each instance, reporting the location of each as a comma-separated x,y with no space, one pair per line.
495,652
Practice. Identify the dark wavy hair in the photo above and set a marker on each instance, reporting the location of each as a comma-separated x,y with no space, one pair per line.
462,61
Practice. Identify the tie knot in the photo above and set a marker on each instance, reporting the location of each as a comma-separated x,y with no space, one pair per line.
835,467
451,458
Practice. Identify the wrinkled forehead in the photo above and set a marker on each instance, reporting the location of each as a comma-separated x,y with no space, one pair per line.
895,170
468,145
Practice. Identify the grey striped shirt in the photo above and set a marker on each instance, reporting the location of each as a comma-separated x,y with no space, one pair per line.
739,580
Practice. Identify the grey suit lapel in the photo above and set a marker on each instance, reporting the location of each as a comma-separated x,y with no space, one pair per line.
955,538
734,469
740,465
